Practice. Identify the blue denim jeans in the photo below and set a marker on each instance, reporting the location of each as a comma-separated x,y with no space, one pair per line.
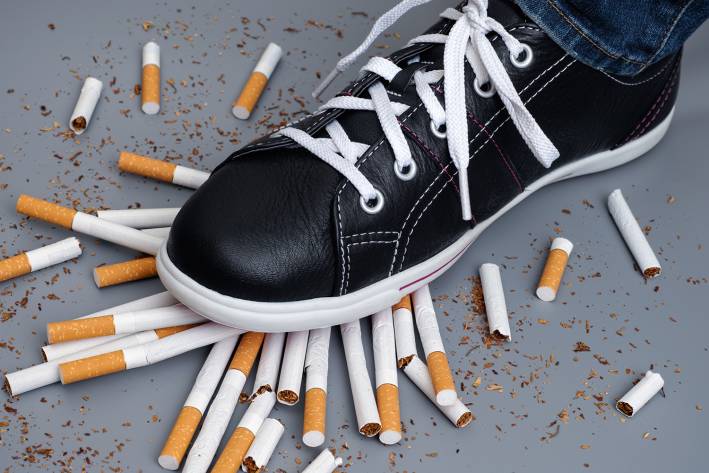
618,36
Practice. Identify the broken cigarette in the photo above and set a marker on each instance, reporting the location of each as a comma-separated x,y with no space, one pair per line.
41,258
433,347
263,446
633,235
161,170
292,365
495,305
160,232
316,368
88,224
196,403
269,364
385,376
244,105
368,422
404,331
325,462
84,108
554,269
150,91
140,218
127,271
640,394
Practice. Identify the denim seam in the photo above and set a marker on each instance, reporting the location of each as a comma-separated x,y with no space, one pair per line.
669,32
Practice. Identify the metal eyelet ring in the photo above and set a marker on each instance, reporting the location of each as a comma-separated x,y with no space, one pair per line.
527,57
440,132
486,94
407,173
378,203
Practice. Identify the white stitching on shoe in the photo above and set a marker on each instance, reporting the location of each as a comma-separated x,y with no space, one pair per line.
349,267
371,233
640,82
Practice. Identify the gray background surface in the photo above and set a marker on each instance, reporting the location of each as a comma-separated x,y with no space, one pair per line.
118,423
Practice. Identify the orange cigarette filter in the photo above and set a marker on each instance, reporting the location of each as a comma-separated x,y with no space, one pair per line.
167,331
67,330
150,93
388,405
47,211
554,269
234,451
92,367
440,371
246,352
315,411
14,266
182,433
127,271
244,105
404,303
147,167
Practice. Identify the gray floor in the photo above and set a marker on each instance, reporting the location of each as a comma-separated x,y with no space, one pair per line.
118,423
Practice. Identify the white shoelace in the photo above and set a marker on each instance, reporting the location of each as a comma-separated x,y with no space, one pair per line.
467,40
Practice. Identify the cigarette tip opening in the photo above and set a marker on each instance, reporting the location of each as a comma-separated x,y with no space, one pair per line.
242,113
168,462
546,294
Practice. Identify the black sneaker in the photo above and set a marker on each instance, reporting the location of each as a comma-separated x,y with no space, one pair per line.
349,209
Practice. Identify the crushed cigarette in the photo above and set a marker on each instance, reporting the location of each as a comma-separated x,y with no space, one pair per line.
404,331
316,368
161,170
150,93
554,269
292,365
640,394
85,106
269,363
126,271
140,218
263,446
495,305
325,462
40,258
244,105
385,376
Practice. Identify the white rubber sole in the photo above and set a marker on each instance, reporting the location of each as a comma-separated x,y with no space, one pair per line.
329,311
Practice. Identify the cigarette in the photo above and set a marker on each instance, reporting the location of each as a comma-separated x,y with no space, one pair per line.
368,421
640,394
127,271
41,258
88,224
160,232
144,355
161,170
150,93
325,462
235,450
633,235
269,364
263,446
436,358
196,403
121,323
554,269
495,305
140,218
244,105
84,108
385,376
223,405
316,369
292,365
57,350
404,331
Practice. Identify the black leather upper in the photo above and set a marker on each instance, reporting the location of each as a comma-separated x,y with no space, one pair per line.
274,223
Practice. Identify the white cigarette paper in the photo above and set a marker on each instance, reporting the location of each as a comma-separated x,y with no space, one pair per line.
316,370
384,347
160,232
640,394
292,365
84,108
495,305
54,253
269,363
116,233
404,334
264,445
140,218
325,462
633,234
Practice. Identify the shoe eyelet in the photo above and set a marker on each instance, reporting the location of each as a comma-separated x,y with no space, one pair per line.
527,57
372,209
407,173
439,132
486,94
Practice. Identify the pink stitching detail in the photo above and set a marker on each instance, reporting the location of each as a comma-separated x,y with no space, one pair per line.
426,149
506,161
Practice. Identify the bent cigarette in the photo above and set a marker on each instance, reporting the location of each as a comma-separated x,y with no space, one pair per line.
196,403
150,91
140,218
263,446
640,394
436,358
369,423
385,376
292,365
316,369
40,258
85,106
495,305
633,235
126,271
269,364
88,224
160,232
325,462
554,269
244,105
161,170
404,331
120,323
144,355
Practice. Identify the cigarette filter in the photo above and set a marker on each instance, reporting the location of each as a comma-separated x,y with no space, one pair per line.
140,218
554,269
292,368
150,93
325,462
633,235
160,232
433,347
385,376
88,224
269,363
41,258
161,170
640,394
404,331
126,271
84,108
262,448
120,323
196,403
244,105
316,368
495,305
368,421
